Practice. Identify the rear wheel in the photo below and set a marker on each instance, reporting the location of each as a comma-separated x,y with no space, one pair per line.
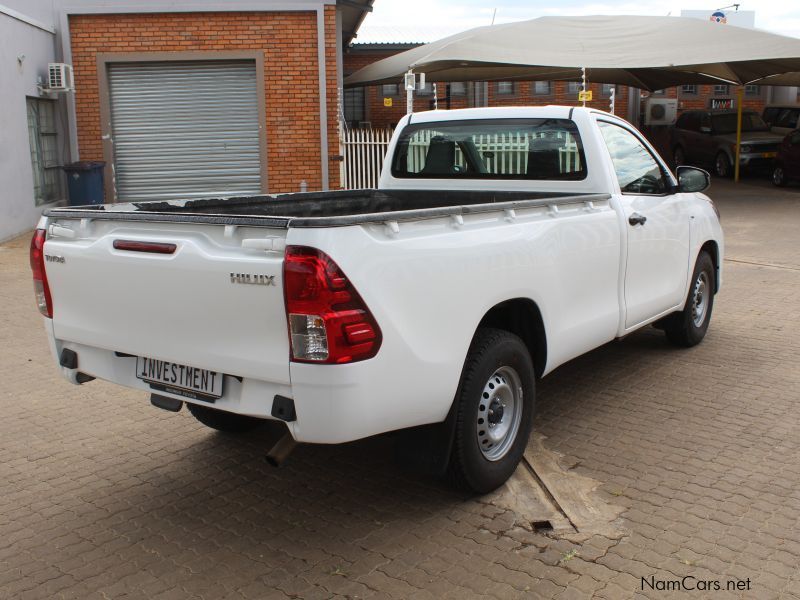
779,176
688,327
722,165
494,411
223,421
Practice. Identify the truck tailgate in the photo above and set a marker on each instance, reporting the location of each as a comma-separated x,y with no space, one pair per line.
210,304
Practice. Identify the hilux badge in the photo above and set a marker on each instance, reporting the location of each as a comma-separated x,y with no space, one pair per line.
249,279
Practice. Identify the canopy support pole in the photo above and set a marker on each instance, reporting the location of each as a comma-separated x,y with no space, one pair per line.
583,85
739,98
410,84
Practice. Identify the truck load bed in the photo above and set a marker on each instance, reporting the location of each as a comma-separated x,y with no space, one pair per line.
322,209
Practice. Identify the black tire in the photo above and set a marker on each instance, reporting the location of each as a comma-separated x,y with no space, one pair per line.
722,165
223,421
493,352
779,176
678,156
682,328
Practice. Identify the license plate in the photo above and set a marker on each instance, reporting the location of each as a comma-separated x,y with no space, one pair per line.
191,382
768,154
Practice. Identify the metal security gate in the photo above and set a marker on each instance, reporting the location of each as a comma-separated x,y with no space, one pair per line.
364,151
184,129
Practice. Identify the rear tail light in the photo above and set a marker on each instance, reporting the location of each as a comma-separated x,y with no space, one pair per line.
328,321
40,287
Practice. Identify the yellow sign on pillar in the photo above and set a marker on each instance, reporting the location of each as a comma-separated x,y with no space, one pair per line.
587,96
387,102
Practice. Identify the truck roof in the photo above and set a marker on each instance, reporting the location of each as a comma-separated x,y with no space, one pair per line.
551,111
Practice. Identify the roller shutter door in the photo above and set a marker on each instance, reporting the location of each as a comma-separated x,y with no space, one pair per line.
184,129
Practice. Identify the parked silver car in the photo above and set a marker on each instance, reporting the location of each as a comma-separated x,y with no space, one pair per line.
706,137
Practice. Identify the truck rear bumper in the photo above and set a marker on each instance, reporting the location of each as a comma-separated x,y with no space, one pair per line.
333,404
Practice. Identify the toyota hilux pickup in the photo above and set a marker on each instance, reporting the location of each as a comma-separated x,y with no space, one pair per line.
500,244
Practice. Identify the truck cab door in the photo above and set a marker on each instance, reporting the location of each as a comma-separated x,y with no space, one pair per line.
657,226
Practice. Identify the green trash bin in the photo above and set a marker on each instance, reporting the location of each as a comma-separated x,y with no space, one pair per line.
85,182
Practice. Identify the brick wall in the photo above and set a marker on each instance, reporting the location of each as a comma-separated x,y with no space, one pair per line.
375,111
706,92
291,81
523,95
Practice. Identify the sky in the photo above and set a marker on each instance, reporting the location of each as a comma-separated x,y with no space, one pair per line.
434,19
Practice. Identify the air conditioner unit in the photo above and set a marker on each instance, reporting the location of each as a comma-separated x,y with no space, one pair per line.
660,111
59,77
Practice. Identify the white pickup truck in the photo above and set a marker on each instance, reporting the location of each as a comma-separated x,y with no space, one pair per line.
501,243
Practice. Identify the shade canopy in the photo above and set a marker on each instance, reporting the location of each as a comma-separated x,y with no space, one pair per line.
644,52
790,79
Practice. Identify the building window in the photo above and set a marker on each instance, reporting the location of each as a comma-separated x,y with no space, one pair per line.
390,89
689,89
542,88
505,88
44,150
605,89
458,88
752,90
354,106
573,87
427,90
722,90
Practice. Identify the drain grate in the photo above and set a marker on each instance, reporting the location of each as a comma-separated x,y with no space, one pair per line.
556,504
542,526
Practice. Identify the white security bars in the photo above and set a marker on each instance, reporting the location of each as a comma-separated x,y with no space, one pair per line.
363,151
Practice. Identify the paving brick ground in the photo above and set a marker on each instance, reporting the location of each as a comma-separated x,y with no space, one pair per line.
103,496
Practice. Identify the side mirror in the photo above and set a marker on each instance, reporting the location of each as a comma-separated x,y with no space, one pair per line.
705,129
692,179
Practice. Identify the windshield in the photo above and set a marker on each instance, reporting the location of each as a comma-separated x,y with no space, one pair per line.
726,123
549,149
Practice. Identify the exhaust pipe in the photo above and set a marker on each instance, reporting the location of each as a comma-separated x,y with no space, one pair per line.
278,454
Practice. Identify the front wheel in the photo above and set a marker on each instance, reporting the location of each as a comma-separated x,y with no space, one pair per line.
722,165
494,411
688,327
779,176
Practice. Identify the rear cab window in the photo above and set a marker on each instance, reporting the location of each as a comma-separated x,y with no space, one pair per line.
511,149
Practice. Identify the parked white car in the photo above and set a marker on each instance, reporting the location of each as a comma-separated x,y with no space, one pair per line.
502,243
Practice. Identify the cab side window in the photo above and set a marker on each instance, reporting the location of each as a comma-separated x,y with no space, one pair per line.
637,170
787,118
689,121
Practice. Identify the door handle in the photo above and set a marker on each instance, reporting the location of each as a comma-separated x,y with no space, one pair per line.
637,219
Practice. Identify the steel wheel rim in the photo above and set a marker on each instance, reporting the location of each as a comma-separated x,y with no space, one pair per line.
722,165
777,176
700,299
499,413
